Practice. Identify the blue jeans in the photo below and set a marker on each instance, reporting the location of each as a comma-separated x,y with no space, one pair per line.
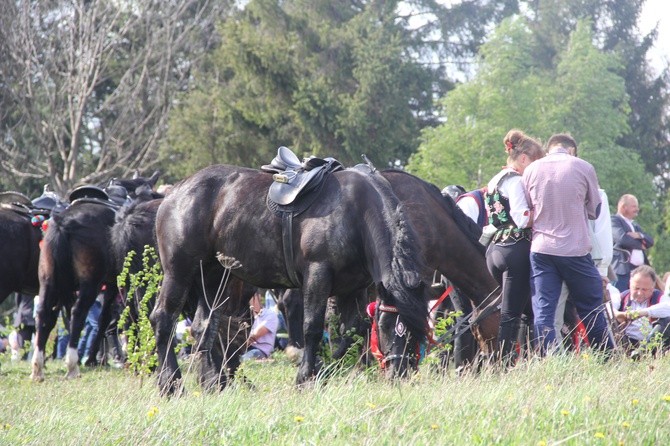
90,330
252,353
584,284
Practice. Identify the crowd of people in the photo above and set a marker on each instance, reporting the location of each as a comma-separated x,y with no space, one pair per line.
555,251
552,246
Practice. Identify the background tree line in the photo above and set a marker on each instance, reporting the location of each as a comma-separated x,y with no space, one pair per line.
92,89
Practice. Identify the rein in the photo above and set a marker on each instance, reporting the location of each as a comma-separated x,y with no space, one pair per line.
465,323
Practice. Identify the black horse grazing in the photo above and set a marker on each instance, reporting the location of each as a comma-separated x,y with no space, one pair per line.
354,234
76,260
227,307
445,240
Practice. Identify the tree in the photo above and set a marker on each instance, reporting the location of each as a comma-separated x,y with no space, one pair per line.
331,78
513,90
86,86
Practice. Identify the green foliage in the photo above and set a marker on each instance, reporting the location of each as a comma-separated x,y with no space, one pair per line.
512,90
339,367
142,287
442,331
329,80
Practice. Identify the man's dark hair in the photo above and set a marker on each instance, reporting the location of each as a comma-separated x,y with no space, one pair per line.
562,139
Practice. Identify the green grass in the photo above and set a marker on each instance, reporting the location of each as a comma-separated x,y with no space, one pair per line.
571,400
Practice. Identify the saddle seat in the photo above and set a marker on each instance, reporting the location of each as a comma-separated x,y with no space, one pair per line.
112,196
294,179
15,201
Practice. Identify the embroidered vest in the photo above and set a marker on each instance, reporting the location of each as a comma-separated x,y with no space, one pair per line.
499,216
653,300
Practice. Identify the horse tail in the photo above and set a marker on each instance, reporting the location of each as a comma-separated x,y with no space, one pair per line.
58,245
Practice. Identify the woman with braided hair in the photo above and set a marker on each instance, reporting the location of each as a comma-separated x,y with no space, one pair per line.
507,256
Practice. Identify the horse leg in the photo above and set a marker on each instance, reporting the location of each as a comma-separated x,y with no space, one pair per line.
204,330
47,314
292,302
315,296
87,295
353,319
103,323
163,319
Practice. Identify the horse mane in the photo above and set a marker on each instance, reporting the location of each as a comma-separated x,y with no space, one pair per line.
405,265
465,223
472,231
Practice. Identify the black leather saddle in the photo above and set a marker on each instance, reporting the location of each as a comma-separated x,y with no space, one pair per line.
112,196
293,178
15,201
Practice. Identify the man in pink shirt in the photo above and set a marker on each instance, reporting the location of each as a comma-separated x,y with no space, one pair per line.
562,191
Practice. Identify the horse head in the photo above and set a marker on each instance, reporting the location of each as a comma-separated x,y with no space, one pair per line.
398,345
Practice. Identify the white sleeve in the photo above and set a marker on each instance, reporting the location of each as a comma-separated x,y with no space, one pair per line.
615,298
661,309
512,188
601,236
469,207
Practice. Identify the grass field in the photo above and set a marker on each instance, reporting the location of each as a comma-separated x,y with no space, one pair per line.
573,400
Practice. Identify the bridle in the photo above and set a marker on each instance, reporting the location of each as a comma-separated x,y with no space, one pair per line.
400,331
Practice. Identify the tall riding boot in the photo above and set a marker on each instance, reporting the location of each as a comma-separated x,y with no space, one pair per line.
507,337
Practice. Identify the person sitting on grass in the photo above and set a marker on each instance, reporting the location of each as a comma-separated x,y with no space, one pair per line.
643,310
261,341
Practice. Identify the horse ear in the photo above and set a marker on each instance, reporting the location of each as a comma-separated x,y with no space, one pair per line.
154,178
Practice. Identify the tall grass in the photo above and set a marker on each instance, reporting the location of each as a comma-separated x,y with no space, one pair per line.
573,400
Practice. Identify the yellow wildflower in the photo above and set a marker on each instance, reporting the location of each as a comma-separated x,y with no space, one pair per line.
298,419
565,413
635,402
625,424
371,405
666,398
599,435
152,412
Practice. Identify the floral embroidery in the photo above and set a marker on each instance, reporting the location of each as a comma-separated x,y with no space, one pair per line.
498,211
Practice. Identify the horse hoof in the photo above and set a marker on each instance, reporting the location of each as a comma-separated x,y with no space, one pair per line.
73,375
294,354
37,377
